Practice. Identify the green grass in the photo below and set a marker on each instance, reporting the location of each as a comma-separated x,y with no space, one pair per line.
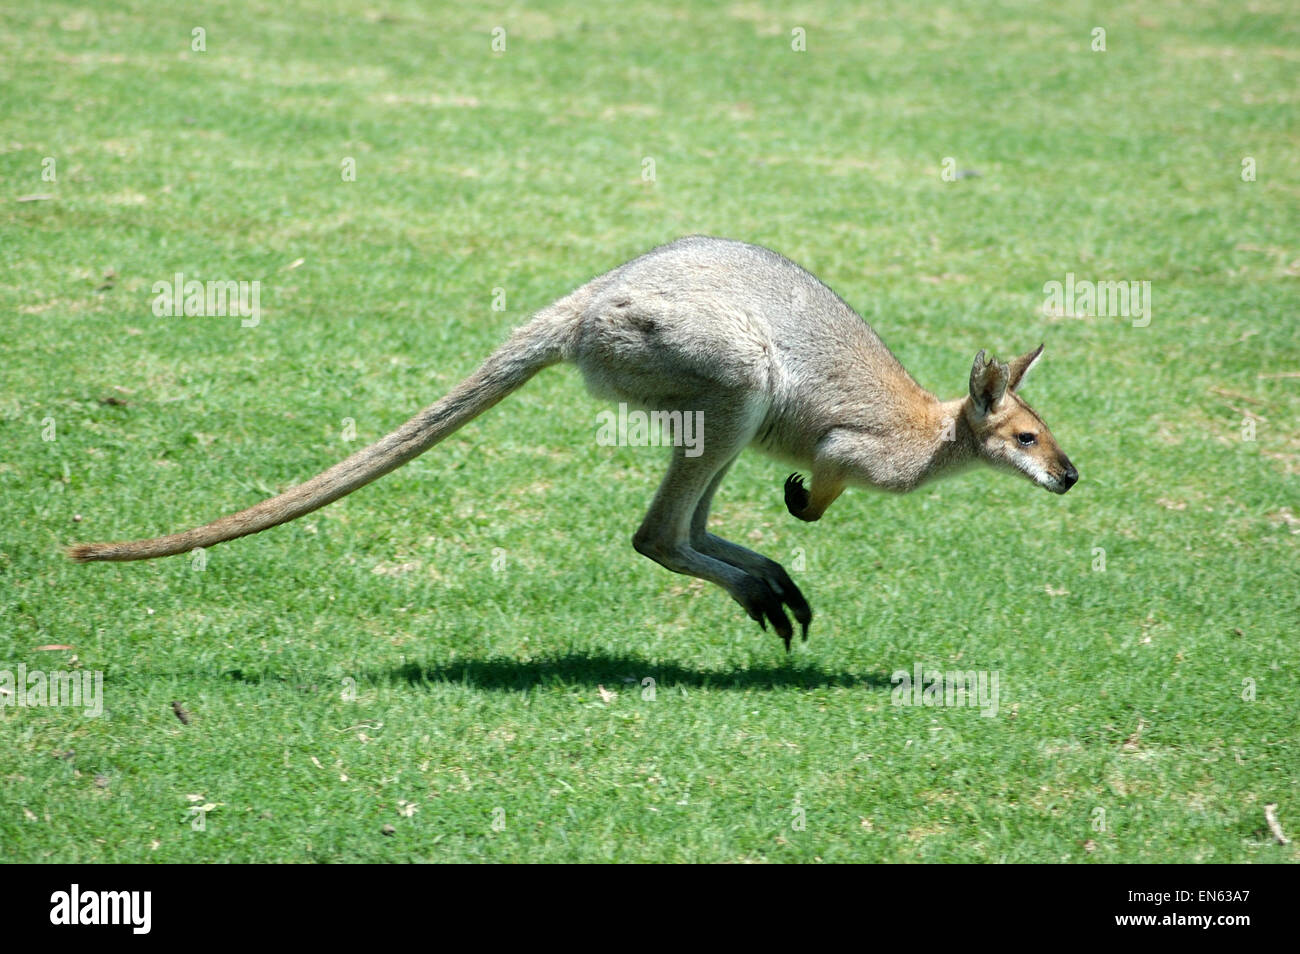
368,666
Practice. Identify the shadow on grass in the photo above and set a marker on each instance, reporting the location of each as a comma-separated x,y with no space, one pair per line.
618,672
504,674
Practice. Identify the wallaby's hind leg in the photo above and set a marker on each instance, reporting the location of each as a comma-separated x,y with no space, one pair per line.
665,535
769,571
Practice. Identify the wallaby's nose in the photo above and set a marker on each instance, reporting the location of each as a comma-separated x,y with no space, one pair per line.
1069,478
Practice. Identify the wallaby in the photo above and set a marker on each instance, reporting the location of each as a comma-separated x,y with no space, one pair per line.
768,355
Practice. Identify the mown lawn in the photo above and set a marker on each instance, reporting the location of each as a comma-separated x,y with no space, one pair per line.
460,651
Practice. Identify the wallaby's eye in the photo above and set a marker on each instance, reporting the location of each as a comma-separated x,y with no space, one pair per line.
1026,439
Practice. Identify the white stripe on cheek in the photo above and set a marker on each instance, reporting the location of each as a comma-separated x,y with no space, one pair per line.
1034,469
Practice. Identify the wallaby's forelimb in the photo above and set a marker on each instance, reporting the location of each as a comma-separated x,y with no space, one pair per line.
533,347
810,505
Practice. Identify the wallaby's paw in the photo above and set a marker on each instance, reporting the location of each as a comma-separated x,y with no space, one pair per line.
763,604
796,495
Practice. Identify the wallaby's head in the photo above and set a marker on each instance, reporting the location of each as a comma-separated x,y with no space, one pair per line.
1007,431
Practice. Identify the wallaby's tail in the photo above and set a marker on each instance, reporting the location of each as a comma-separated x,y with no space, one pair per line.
541,342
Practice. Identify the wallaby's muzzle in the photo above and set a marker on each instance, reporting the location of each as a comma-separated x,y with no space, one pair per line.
1069,477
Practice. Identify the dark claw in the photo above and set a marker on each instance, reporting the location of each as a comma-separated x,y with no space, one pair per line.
796,494
762,604
790,595
775,612
801,610
781,623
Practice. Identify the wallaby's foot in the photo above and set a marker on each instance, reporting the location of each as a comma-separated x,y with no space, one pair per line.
796,495
763,603
788,593
767,598
762,587
768,572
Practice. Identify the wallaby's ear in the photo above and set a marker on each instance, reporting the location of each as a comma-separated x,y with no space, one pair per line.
1020,367
988,382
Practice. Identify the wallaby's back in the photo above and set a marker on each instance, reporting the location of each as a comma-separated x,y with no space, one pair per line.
735,315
